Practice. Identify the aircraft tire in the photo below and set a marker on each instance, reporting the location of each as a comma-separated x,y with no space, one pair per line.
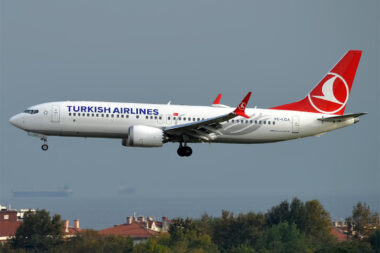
188,151
44,147
180,151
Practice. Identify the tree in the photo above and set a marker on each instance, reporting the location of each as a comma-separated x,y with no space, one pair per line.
362,222
278,214
375,241
89,241
282,238
39,232
230,231
317,221
187,235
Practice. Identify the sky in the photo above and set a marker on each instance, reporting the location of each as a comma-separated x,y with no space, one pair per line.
187,52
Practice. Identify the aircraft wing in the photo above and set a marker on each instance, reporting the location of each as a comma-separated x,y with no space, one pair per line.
342,117
203,130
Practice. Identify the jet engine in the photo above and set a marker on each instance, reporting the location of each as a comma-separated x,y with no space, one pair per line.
144,136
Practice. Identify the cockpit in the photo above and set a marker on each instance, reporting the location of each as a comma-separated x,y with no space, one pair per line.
31,111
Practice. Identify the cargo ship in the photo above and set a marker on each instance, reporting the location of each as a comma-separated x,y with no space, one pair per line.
66,192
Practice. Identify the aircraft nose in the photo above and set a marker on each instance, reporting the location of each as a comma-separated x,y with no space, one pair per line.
16,120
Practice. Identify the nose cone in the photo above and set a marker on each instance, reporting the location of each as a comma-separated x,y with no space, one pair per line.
16,120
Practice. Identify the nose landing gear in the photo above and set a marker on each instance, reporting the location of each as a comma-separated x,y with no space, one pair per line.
44,146
184,150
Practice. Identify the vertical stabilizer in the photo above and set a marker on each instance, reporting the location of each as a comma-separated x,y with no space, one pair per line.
330,96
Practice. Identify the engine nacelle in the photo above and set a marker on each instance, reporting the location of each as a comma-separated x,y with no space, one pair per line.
144,136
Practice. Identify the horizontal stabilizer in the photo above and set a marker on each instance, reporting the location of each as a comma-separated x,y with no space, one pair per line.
342,117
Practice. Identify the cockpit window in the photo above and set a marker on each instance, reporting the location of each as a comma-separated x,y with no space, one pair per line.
31,111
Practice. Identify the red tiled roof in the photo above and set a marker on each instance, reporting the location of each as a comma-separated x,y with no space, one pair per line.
338,234
72,231
133,230
8,228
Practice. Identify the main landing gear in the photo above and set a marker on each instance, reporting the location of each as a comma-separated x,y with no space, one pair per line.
44,146
184,150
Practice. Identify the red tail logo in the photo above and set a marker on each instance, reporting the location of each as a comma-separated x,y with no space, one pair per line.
331,94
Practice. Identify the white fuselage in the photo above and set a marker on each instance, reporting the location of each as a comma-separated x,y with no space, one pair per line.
112,120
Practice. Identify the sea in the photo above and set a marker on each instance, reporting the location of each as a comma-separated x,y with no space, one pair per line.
100,213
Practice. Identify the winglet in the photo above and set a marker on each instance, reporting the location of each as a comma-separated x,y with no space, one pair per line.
217,99
240,109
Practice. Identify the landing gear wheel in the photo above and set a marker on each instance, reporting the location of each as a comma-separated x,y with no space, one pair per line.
44,147
184,151
188,151
180,152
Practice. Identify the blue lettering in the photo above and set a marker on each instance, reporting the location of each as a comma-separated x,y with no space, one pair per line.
142,111
107,109
116,110
90,109
149,111
69,107
132,112
155,111
83,108
76,109
100,109
126,110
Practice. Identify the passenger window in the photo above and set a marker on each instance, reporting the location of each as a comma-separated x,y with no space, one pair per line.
168,118
259,121
251,121
88,115
160,117
69,113
174,118
193,119
264,122
107,115
74,114
122,116
102,115
233,121
137,116
93,115
83,114
268,122
155,117
151,117
274,122
199,119
117,115
179,118
146,117
126,116
97,115
112,115
255,121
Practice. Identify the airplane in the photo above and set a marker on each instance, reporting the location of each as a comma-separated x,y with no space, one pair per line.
152,125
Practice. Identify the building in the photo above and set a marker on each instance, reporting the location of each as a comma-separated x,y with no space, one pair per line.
9,223
11,219
139,228
68,231
339,234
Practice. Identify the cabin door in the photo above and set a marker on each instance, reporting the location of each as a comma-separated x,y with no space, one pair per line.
55,114
295,124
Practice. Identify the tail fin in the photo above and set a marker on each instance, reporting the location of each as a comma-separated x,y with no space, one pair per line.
331,94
